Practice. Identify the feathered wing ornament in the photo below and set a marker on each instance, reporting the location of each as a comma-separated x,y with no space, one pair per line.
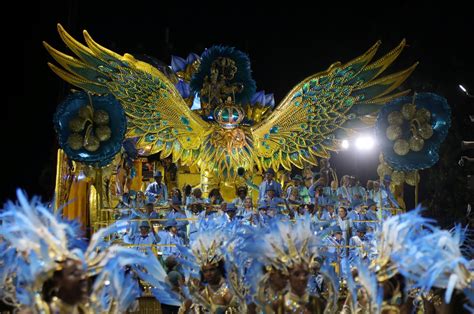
157,114
304,126
344,97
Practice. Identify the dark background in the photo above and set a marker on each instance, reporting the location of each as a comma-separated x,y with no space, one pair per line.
286,43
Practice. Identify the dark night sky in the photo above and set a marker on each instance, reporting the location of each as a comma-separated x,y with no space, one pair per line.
285,44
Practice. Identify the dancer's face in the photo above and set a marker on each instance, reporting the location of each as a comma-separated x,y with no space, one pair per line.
299,276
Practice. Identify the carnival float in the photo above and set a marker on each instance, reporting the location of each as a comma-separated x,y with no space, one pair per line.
200,124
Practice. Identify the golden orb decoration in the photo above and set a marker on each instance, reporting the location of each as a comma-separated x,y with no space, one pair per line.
393,132
92,143
416,143
423,115
395,118
75,141
401,147
398,177
85,112
412,178
408,111
103,133
426,131
101,117
77,124
383,169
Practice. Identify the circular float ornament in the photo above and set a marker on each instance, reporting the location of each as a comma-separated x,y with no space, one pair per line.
90,129
411,130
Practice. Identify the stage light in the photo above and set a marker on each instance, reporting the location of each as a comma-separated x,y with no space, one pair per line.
464,90
364,143
345,144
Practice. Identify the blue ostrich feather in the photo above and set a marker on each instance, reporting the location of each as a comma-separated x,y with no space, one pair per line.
153,272
183,89
114,284
368,280
429,256
351,287
253,275
74,233
178,64
243,75
263,99
330,276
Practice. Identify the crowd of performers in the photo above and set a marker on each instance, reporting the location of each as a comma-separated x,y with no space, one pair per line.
350,211
325,249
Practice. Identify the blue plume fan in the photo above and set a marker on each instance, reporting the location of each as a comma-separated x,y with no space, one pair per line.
243,75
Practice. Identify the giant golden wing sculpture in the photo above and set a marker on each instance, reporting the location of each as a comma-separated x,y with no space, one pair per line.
156,113
306,123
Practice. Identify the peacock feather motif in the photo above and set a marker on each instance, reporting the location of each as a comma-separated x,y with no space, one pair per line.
234,126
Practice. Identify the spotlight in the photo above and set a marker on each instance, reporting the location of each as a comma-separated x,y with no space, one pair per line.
365,143
345,144
464,90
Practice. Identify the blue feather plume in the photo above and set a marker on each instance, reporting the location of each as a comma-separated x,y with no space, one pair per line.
243,75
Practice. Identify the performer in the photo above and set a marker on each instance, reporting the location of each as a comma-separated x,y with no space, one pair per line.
230,212
378,195
321,182
331,215
301,188
176,212
215,197
170,239
45,271
357,191
326,171
292,249
241,196
371,214
145,239
308,176
331,191
269,182
356,215
358,244
210,293
123,176
345,223
157,191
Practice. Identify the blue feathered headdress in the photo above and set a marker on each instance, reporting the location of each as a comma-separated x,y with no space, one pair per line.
243,75
35,243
